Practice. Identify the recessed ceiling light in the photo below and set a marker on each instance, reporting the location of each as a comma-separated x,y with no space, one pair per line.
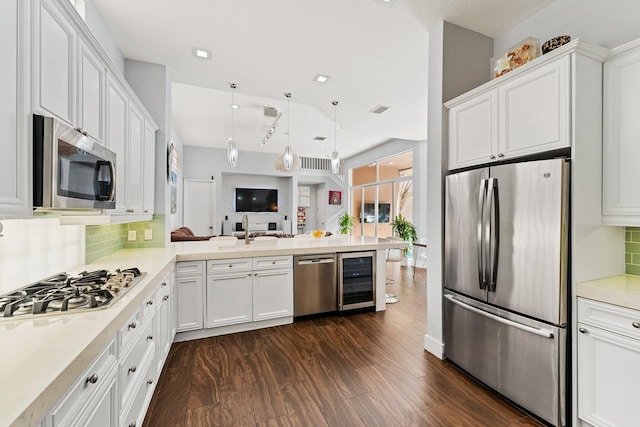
389,163
321,78
234,106
379,109
201,53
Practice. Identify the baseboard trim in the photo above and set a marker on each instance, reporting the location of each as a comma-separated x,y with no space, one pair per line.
434,347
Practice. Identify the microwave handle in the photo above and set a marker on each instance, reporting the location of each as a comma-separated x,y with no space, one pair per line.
112,168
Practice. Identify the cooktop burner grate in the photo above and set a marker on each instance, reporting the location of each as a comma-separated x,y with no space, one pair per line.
64,293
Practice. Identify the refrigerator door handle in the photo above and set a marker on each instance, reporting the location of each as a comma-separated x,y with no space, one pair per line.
546,333
482,193
493,223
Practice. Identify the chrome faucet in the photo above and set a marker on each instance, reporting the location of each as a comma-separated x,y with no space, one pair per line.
245,226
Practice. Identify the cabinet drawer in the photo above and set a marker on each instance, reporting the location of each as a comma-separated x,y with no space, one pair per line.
89,384
132,363
228,265
190,268
613,318
143,391
147,308
271,262
128,331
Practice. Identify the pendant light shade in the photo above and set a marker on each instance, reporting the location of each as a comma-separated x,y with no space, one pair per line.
232,147
287,158
335,157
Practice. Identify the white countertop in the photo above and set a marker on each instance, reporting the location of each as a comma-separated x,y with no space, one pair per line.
618,290
49,353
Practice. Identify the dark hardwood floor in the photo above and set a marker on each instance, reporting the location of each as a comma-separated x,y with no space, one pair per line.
367,369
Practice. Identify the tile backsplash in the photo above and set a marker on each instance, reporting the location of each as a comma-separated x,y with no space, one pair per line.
632,250
103,240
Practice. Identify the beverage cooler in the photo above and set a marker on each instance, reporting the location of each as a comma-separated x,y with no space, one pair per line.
356,280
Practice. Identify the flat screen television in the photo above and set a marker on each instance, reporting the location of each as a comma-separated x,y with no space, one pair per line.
256,200
369,214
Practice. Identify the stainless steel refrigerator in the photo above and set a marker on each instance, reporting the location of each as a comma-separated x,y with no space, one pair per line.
506,264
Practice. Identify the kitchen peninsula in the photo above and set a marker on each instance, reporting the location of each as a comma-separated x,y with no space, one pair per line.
111,358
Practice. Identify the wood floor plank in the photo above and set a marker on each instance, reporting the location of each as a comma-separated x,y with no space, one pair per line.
339,370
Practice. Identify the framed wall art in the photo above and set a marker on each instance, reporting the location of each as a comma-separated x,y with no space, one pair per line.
335,197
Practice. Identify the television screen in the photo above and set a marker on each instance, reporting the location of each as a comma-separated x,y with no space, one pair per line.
369,214
256,200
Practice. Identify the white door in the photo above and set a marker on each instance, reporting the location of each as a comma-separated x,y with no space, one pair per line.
321,207
198,206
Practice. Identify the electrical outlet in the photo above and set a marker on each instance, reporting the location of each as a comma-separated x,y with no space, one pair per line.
148,234
132,235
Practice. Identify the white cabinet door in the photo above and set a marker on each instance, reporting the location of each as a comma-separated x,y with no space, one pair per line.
190,291
534,110
134,160
163,319
608,377
149,161
621,152
473,131
272,294
15,163
91,84
102,411
229,299
116,138
55,47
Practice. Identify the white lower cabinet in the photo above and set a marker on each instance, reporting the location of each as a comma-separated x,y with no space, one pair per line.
92,400
163,322
189,295
272,294
228,299
608,360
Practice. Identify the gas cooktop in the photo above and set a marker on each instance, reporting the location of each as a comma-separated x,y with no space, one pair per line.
64,293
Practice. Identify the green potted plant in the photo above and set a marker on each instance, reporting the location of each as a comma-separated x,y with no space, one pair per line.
404,229
346,223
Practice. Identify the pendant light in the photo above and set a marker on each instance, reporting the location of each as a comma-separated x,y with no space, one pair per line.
232,148
335,157
287,158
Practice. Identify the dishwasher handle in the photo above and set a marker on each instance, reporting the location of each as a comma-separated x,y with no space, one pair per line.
315,261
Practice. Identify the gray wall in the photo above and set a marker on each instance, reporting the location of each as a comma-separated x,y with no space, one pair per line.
458,62
606,23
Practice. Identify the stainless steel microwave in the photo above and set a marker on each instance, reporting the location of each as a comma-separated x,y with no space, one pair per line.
71,170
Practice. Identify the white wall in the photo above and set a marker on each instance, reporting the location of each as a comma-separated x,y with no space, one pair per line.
605,23
176,219
33,249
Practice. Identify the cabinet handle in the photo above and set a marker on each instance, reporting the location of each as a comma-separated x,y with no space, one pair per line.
166,297
149,337
164,284
492,157
129,210
273,262
132,325
92,379
146,211
133,369
230,265
133,424
636,325
583,331
500,155
149,382
150,302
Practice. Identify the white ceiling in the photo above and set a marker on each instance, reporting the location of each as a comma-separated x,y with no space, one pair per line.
374,51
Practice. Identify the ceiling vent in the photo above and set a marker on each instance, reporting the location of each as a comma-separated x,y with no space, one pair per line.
319,138
379,109
270,112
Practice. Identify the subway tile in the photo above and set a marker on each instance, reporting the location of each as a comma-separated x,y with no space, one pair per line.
633,248
627,258
635,236
627,236
632,269
635,259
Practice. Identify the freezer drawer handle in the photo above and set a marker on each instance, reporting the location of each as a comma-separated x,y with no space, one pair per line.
537,331
315,261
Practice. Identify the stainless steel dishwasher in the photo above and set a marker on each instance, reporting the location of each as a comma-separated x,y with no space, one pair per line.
314,284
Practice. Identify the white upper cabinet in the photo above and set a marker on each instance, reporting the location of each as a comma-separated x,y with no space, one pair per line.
621,153
473,134
91,84
55,44
534,110
524,112
134,164
15,162
116,138
149,161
